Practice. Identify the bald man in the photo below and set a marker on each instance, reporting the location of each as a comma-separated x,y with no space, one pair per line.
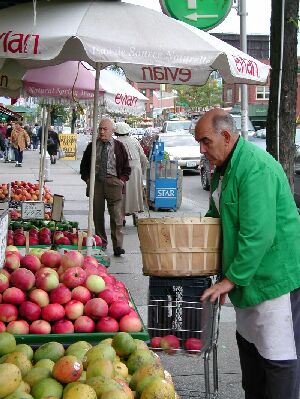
260,256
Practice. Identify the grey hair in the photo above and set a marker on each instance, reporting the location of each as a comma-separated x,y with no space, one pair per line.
224,122
107,118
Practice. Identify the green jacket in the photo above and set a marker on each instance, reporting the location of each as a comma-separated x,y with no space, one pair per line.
260,227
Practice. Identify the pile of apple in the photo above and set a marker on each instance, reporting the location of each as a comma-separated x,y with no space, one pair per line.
45,236
26,191
171,344
4,192
45,292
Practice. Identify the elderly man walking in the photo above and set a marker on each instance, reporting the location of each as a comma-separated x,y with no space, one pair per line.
112,171
260,257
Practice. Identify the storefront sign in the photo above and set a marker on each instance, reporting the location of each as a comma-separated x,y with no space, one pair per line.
68,143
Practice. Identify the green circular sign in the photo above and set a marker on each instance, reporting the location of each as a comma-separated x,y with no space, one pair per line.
203,14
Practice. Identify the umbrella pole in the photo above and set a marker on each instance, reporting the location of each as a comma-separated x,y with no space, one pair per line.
41,153
93,161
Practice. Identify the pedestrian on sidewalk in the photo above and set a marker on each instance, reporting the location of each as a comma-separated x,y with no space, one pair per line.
19,141
53,144
133,201
112,171
260,256
35,137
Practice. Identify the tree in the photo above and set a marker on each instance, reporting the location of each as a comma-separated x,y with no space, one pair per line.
287,114
200,97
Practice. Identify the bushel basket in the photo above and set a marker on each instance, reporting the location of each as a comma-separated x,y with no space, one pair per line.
175,247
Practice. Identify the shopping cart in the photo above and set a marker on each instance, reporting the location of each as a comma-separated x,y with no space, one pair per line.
174,308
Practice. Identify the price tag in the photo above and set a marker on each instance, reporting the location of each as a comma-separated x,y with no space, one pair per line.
3,236
32,210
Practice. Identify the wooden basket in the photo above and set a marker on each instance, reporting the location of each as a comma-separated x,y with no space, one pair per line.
180,246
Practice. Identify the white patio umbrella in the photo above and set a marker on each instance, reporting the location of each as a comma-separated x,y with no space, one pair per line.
149,46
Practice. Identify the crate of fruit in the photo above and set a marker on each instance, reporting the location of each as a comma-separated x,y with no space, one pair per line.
47,295
177,319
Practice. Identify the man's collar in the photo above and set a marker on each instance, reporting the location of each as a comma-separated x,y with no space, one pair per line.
111,141
222,168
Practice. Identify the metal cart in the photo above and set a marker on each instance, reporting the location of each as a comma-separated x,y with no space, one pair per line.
174,308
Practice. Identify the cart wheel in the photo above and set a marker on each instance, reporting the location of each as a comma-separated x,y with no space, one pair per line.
134,219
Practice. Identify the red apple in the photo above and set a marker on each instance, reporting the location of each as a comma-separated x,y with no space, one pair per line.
63,241
84,324
74,239
40,327
109,295
53,312
4,282
90,269
95,283
47,280
57,235
96,308
62,327
98,240
12,261
72,259
8,312
170,343
108,278
18,327
51,258
40,297
45,231
11,248
119,309
193,345
37,252
74,309
22,278
2,327
34,240
90,260
10,240
155,343
81,294
14,296
45,240
19,239
60,294
74,276
31,262
30,311
107,324
129,323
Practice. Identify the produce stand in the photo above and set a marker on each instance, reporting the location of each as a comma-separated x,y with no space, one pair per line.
67,339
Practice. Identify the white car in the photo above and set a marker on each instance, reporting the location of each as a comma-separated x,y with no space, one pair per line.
182,147
178,125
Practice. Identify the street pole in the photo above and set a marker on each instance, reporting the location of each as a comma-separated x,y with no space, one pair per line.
242,12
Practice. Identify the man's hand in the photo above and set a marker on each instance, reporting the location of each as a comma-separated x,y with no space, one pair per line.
219,290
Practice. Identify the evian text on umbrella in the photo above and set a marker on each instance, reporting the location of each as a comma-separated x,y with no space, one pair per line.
124,99
166,74
18,42
245,66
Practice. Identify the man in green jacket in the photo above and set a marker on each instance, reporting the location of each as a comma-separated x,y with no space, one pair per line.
260,256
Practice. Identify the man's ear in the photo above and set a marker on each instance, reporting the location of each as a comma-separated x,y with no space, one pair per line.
227,136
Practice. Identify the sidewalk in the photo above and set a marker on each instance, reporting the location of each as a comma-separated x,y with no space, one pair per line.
187,371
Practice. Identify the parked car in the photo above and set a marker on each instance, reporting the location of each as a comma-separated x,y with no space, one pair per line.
206,170
178,125
183,148
237,118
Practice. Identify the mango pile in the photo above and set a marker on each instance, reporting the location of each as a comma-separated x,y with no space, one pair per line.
117,368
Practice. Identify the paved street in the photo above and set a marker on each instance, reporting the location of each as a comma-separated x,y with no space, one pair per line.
187,371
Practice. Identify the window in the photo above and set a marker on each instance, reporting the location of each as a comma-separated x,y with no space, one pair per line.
262,92
229,96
